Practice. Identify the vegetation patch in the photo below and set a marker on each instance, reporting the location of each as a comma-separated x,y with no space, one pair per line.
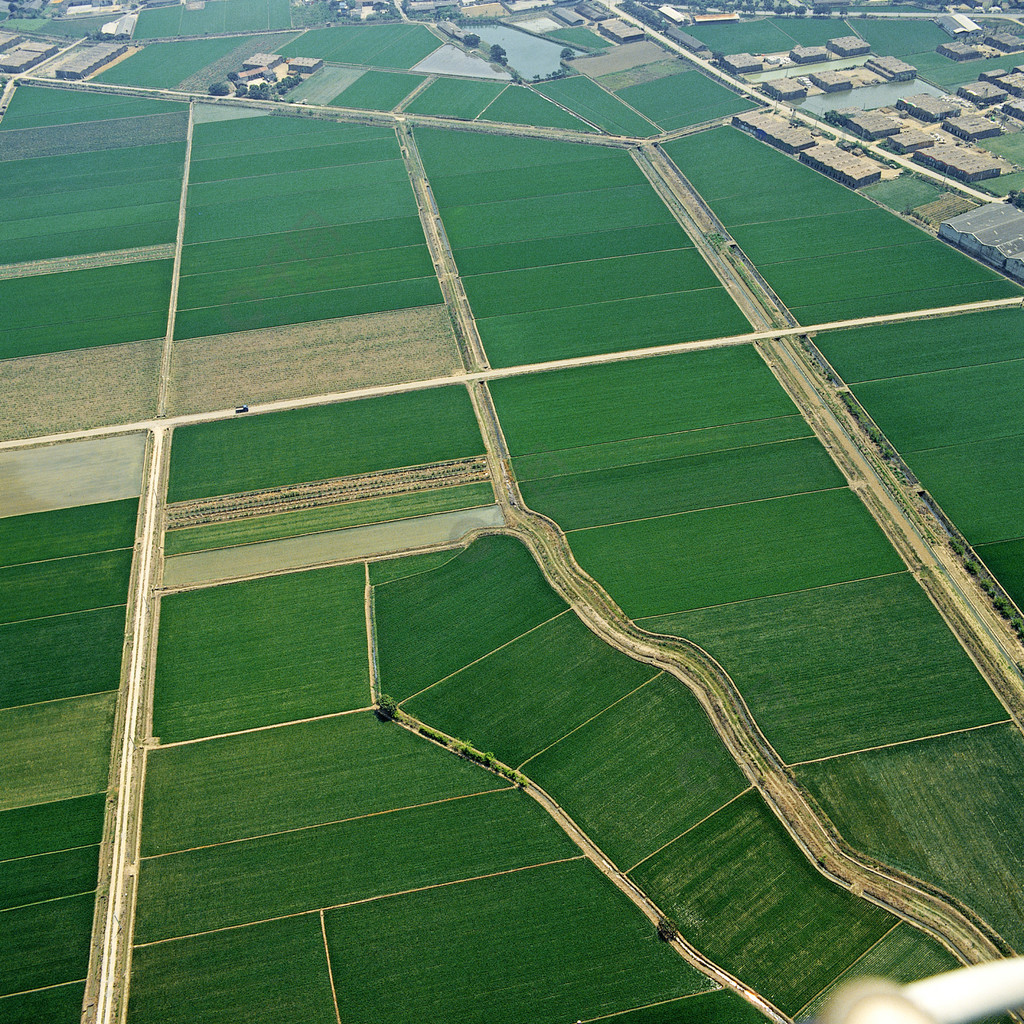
455,97
383,46
261,652
677,101
68,531
56,825
586,98
377,90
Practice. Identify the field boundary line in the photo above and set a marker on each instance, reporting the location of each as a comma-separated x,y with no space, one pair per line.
367,899
179,241
64,558
55,700
52,899
371,635
712,508
330,970
902,743
667,458
259,728
484,657
650,1006
593,259
964,444
768,597
924,373
849,967
44,988
328,824
49,853
619,700
63,799
706,817
85,261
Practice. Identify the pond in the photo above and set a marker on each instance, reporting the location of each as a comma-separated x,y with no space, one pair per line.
530,56
870,97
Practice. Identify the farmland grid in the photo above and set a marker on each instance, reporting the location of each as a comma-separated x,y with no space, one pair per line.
651,444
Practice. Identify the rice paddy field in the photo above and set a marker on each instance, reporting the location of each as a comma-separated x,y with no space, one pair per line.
554,260
63,589
231,456
456,97
945,393
677,101
215,17
780,212
378,90
598,106
262,251
166,65
381,46
520,104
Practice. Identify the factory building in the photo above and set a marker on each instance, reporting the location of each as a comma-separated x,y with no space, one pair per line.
84,61
994,233
1013,84
982,94
869,125
910,140
25,56
892,68
830,81
1006,42
304,65
742,63
928,108
853,171
963,164
848,46
567,16
958,51
808,54
688,42
620,31
993,76
957,24
775,131
270,61
592,11
786,89
1014,109
971,127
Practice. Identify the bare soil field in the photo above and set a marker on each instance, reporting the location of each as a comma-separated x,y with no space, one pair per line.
619,58
75,390
443,528
76,473
308,359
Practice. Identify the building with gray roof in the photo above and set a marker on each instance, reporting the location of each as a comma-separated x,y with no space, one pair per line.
993,233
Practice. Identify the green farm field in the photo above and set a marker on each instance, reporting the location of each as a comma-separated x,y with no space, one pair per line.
55,750
351,438
166,65
1006,560
745,895
72,584
598,106
812,682
337,517
43,945
194,891
488,595
61,656
902,39
580,948
536,688
761,36
382,46
923,346
645,769
48,876
39,108
60,1005
519,104
565,409
918,807
456,97
261,652
378,90
647,489
735,553
330,770
217,17
79,530
57,825
903,193
583,37
113,305
680,100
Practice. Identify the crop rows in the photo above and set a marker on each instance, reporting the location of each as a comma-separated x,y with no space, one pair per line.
630,283
785,212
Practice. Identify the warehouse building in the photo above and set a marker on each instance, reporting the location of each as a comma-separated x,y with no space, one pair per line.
963,164
848,46
994,233
972,127
304,65
993,76
688,42
852,170
910,140
982,94
675,16
1014,109
620,31
25,56
1013,84
270,61
869,125
567,16
8,40
86,60
928,108
808,54
957,24
742,63
774,130
830,81
787,89
892,68
958,51
592,11
1006,42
